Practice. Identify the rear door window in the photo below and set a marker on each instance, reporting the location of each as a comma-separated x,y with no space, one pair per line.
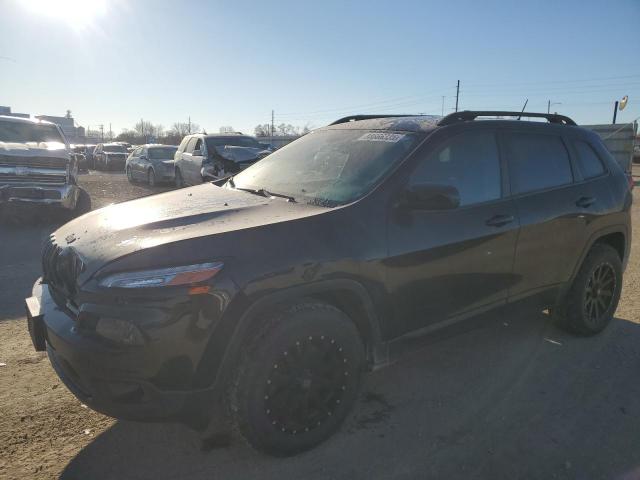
198,145
537,162
469,162
588,161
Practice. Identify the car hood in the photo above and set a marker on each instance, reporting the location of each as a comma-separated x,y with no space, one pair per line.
104,235
34,149
241,154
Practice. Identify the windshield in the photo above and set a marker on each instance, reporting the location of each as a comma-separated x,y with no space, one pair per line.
29,132
114,148
162,153
232,141
328,167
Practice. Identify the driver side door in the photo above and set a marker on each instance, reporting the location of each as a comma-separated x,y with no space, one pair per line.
449,263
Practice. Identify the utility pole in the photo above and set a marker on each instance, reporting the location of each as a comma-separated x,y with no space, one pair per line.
548,106
443,105
101,132
271,139
615,111
110,132
189,124
457,94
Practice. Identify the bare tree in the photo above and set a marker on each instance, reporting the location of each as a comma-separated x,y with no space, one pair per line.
227,129
262,130
180,129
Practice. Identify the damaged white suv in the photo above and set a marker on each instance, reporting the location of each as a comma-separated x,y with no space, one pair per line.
36,166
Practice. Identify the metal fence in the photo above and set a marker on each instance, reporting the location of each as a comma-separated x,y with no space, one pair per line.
619,139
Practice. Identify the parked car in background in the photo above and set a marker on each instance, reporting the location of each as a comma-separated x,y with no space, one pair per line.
78,152
37,166
267,298
202,157
88,153
152,163
110,156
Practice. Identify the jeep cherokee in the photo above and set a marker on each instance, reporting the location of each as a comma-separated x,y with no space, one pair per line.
263,300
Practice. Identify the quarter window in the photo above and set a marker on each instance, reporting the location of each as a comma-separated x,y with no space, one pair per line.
588,161
190,145
469,162
537,162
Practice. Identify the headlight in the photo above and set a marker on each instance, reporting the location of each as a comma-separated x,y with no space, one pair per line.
164,277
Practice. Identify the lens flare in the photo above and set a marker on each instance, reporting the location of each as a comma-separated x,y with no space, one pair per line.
74,12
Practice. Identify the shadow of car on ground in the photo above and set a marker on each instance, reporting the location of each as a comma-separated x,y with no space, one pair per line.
506,395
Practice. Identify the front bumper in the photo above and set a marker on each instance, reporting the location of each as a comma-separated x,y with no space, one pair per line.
64,196
122,381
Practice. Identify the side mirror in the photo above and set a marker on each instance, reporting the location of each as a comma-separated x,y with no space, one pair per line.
431,196
143,157
197,153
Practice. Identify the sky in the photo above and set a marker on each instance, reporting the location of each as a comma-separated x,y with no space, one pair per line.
230,63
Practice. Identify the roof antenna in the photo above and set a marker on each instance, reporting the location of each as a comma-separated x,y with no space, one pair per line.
523,107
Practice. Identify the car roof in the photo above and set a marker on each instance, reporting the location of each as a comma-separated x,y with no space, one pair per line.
219,135
151,145
427,123
32,121
408,123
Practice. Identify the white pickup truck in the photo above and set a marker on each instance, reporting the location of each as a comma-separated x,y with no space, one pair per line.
36,166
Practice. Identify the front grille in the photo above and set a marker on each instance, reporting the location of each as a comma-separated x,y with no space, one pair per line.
60,269
45,162
48,179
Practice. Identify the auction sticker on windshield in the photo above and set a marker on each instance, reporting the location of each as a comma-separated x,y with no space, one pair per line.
381,137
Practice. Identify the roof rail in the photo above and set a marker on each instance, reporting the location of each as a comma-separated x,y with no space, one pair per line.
468,115
355,118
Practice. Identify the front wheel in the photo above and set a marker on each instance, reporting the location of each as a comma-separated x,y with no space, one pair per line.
130,175
593,298
151,178
297,379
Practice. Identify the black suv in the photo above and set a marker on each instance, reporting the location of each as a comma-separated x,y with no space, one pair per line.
265,298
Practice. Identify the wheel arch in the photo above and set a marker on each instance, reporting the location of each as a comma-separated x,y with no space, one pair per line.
347,295
616,236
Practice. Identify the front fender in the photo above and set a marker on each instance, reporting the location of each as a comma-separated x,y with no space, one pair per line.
224,349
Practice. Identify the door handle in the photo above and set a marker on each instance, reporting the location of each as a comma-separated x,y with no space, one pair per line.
500,220
585,202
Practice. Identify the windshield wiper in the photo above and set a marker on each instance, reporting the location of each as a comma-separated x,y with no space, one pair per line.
281,195
262,192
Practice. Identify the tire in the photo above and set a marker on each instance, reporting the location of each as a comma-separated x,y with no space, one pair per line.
83,203
178,179
130,175
593,297
151,178
320,357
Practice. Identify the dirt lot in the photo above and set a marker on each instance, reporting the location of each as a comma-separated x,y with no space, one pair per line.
509,396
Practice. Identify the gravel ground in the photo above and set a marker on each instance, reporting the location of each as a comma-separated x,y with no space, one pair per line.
507,396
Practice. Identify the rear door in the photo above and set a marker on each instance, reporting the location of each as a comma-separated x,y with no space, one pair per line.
443,264
553,209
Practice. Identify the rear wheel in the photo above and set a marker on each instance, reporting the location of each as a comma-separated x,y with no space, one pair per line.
593,298
297,379
83,204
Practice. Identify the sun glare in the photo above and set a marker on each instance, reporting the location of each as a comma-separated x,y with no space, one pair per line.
76,13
